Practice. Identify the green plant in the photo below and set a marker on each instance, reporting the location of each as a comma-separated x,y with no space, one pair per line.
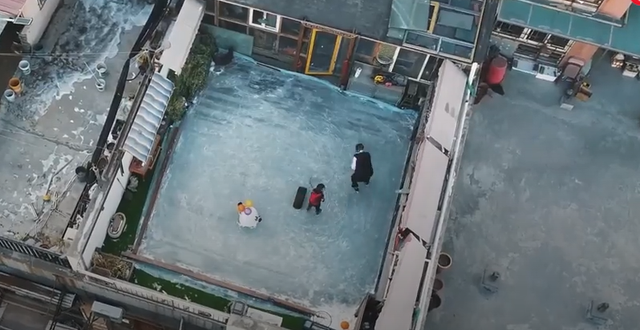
193,77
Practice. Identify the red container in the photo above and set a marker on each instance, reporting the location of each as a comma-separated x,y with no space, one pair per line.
497,70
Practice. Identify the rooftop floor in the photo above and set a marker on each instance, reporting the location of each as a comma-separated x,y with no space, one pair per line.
53,126
258,134
549,198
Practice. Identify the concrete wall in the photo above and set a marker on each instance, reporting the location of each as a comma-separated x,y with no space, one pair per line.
114,196
41,18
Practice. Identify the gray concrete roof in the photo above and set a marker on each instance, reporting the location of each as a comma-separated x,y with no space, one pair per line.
548,197
53,126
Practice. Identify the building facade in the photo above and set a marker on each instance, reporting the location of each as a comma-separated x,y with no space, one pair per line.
336,40
542,33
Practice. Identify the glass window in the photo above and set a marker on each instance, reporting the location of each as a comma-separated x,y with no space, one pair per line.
422,40
287,46
290,27
556,41
342,55
232,26
208,19
264,40
409,63
456,49
454,25
210,7
365,50
433,12
509,29
234,12
431,69
264,20
537,36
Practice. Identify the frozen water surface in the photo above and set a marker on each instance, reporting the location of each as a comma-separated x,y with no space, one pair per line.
257,133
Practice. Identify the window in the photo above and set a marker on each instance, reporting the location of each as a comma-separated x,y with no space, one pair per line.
456,25
232,26
365,50
409,63
431,69
208,19
41,3
456,49
287,46
536,36
556,41
433,13
210,7
290,27
265,20
233,12
422,40
264,40
509,29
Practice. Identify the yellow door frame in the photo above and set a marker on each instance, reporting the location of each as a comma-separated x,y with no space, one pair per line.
336,48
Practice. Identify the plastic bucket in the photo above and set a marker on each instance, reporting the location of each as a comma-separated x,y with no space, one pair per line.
25,67
444,262
15,85
10,95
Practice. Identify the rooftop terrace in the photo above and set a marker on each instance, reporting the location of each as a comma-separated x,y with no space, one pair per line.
53,126
547,197
258,133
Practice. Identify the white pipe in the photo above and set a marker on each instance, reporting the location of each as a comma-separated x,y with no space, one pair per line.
437,246
100,84
101,68
10,95
25,67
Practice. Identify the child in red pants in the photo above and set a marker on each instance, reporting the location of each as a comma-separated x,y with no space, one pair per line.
316,198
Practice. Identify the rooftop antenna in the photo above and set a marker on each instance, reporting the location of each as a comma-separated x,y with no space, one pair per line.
18,20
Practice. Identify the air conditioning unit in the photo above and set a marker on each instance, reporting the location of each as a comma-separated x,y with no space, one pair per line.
109,312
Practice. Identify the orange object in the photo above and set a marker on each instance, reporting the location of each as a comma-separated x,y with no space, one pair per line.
15,85
344,325
241,208
497,70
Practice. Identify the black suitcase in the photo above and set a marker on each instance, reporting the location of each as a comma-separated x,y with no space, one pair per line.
298,201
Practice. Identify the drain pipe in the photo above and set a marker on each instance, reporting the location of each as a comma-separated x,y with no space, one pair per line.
455,164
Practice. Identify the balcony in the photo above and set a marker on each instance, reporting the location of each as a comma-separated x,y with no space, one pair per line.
546,18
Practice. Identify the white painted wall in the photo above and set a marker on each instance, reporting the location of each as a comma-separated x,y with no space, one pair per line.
41,18
114,196
122,288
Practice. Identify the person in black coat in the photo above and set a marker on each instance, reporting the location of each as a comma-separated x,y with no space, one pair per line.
361,166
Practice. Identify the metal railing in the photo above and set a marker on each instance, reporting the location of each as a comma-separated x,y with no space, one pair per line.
20,247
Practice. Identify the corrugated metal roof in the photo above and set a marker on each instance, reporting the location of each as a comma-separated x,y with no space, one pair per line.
12,7
142,136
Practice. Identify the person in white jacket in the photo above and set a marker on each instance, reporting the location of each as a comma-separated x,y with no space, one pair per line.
248,216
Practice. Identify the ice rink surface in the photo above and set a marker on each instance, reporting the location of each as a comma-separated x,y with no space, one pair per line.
257,133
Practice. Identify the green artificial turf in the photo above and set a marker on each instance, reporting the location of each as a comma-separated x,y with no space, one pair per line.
132,209
200,297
